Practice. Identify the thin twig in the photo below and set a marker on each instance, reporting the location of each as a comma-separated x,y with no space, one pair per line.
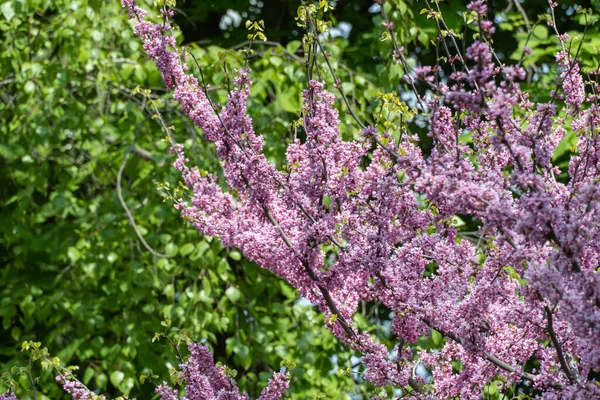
138,151
124,204
336,81
32,381
517,4
179,356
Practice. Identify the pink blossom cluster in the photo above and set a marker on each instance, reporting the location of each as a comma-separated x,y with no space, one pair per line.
276,386
205,381
8,396
202,380
76,389
525,287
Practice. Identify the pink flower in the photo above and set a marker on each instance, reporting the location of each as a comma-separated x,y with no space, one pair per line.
375,219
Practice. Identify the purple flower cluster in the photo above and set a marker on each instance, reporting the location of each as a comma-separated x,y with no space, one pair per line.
8,396
525,287
205,381
77,389
276,386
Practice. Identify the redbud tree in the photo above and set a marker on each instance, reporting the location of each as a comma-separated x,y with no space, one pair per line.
374,219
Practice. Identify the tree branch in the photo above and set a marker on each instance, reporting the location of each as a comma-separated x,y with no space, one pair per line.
124,204
138,151
561,357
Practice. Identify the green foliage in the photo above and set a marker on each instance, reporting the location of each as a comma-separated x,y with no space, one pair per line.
75,275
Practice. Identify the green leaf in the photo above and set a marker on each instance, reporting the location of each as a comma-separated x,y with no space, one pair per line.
186,249
235,255
96,35
140,74
15,333
293,46
171,249
540,32
466,137
169,291
88,375
275,61
116,378
27,306
112,257
206,286
8,10
457,221
201,248
127,70
29,87
101,380
436,337
288,101
233,294
565,145
73,254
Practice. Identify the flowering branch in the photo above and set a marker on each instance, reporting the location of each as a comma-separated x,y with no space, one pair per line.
342,233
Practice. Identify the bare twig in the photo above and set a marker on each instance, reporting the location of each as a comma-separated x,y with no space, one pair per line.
337,84
138,151
517,4
179,356
124,204
32,380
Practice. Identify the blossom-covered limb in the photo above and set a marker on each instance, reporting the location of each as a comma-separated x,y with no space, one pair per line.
390,221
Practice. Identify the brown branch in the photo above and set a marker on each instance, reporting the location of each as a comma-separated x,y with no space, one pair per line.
561,357
336,81
32,381
124,204
407,69
490,357
326,295
519,7
138,151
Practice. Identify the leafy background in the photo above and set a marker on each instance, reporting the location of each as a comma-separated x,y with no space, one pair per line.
74,274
